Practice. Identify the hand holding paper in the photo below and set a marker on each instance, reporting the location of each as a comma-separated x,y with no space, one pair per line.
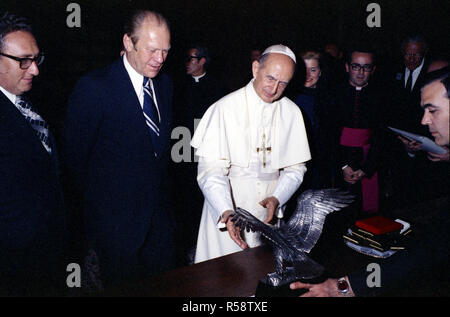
427,144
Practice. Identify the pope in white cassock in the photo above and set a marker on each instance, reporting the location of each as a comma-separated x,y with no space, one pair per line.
252,148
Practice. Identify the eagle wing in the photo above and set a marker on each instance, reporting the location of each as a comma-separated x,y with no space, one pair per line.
305,225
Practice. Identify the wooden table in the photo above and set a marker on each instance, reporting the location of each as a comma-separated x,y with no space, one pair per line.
237,274
234,275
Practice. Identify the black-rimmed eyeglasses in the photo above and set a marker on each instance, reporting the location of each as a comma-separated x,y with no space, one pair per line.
25,62
366,68
189,57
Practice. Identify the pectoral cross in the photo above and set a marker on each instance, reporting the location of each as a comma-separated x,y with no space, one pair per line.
264,149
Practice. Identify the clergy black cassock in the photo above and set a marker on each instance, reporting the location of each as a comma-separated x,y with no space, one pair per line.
191,99
361,110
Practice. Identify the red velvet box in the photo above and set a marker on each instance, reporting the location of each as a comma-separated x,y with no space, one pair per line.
379,225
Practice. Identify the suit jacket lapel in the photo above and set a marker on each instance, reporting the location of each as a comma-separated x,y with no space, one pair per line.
19,125
163,107
125,92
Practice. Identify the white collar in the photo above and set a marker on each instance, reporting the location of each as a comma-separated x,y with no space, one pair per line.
136,79
197,78
417,70
9,95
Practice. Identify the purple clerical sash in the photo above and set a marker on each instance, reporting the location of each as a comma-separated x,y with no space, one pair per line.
360,138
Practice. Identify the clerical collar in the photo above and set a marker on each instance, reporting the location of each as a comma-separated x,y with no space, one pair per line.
197,78
9,95
360,88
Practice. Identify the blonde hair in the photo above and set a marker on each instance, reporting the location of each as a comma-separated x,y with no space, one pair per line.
310,55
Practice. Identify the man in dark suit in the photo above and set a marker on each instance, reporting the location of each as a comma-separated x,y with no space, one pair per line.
117,150
407,107
411,165
421,269
193,95
32,216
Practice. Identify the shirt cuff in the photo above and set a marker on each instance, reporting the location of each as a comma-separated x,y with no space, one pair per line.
290,180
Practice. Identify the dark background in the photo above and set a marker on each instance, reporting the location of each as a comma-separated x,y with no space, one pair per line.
230,28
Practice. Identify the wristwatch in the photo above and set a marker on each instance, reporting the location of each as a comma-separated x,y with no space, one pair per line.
342,286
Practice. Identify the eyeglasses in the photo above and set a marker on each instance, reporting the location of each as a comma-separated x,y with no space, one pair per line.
189,57
25,62
366,68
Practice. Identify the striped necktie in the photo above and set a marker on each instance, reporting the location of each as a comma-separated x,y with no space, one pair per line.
151,113
35,120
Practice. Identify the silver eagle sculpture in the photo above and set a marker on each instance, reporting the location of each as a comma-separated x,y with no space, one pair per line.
295,238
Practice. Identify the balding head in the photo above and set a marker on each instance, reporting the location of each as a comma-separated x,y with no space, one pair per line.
138,18
147,42
272,75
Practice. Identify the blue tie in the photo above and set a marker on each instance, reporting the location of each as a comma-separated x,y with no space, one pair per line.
151,113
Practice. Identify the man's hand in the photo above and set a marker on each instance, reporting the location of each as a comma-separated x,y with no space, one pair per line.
325,289
233,231
439,157
349,175
359,174
271,203
411,146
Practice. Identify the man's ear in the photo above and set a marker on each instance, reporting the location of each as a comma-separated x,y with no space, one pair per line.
202,61
255,68
347,68
127,43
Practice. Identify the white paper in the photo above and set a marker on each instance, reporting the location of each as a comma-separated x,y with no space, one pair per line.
427,144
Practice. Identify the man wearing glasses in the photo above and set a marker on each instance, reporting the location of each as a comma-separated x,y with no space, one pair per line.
196,91
358,108
32,216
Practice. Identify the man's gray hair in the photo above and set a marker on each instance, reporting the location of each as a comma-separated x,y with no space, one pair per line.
415,38
11,23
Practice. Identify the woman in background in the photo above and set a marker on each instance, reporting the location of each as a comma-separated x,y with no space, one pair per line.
315,102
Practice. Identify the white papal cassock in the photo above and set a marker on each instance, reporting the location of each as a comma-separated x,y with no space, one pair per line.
231,171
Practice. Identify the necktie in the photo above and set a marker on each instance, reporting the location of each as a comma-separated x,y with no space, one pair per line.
408,86
35,120
151,113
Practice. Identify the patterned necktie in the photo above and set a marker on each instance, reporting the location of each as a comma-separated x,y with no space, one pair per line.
35,120
151,113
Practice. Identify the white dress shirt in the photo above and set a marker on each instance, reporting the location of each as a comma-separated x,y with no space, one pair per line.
415,74
138,84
